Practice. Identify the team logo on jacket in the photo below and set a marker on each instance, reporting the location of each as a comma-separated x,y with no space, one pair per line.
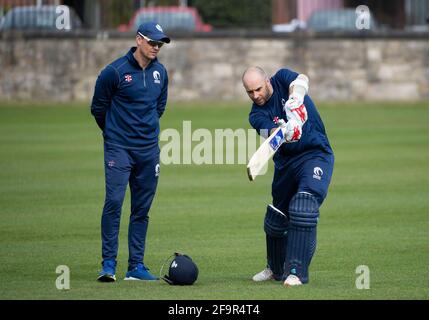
318,173
156,77
128,78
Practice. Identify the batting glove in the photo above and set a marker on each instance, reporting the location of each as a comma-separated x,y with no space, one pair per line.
295,109
292,130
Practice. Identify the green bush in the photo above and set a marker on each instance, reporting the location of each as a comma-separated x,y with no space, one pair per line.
235,14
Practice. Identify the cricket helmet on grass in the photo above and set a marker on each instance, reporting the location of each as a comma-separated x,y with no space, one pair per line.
182,270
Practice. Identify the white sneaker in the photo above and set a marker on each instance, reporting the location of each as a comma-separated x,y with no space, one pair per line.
292,280
264,275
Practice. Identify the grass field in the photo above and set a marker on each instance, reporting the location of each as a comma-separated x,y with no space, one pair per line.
376,214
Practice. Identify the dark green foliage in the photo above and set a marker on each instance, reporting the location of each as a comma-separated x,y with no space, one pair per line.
235,14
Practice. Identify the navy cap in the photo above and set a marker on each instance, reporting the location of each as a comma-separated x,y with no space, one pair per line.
153,31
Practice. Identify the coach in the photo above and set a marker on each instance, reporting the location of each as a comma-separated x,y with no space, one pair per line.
129,98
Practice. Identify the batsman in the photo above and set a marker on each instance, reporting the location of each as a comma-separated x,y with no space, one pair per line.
303,168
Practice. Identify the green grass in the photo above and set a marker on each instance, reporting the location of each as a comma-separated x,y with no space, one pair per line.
376,213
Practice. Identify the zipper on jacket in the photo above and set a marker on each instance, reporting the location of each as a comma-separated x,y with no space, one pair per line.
144,78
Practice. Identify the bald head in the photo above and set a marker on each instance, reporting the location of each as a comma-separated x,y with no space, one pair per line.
254,73
257,85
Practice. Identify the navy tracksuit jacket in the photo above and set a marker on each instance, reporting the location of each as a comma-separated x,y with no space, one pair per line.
127,105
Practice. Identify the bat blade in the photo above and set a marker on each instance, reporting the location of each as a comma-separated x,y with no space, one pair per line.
264,153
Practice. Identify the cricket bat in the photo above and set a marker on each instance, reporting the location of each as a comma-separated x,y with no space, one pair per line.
264,153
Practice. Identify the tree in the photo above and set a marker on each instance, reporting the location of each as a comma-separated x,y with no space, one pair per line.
235,13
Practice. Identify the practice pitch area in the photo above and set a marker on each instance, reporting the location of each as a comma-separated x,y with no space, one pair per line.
373,230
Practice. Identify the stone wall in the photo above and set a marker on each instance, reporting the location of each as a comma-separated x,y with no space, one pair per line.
211,68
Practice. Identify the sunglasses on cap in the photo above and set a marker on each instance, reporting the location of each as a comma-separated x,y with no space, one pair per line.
152,43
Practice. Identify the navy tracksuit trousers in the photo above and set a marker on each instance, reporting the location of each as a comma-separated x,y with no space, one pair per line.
298,190
139,169
311,173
